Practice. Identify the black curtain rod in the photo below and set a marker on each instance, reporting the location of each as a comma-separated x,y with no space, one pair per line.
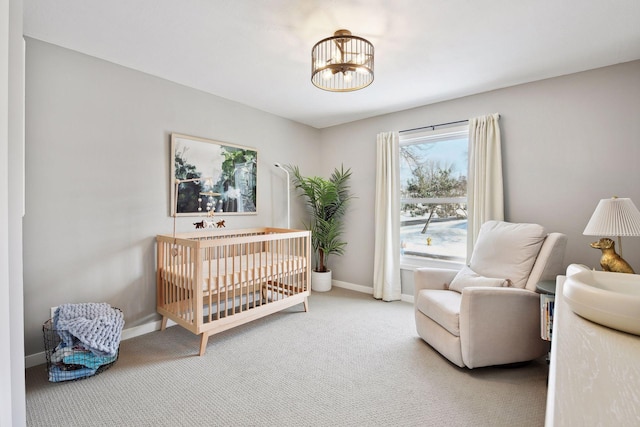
433,127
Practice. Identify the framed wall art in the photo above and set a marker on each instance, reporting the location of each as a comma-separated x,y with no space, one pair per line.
211,177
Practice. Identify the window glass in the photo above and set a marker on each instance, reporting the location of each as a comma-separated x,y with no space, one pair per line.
433,194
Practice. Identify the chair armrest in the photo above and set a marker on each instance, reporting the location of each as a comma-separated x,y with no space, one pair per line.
499,325
482,301
431,278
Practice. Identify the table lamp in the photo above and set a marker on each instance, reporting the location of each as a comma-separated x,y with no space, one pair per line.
616,216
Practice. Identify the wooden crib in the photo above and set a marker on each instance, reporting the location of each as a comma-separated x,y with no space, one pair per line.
211,281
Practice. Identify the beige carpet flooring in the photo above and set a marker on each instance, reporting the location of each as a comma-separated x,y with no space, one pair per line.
349,361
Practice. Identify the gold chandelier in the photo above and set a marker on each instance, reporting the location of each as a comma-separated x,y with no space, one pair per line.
342,63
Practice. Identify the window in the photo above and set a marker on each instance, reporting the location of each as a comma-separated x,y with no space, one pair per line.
433,194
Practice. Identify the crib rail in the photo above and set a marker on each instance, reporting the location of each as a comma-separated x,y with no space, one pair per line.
214,276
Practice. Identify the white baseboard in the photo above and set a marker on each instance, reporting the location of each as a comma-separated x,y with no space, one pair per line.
34,359
366,289
352,287
135,331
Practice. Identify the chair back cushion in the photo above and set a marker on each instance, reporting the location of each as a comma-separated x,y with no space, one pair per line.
507,250
550,261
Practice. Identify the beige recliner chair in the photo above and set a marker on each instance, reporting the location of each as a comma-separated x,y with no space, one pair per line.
489,313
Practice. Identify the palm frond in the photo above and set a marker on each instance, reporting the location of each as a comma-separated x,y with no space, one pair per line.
326,200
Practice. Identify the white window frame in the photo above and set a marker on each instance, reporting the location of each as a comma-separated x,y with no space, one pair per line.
411,262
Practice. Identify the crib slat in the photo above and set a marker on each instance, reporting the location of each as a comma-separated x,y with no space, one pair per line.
210,284
219,256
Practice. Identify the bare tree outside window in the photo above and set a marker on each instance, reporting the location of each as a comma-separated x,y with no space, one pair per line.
434,197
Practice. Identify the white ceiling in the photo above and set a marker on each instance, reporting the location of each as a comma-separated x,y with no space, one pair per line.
257,52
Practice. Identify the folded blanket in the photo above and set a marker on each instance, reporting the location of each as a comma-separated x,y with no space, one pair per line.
57,374
78,355
89,360
62,351
96,325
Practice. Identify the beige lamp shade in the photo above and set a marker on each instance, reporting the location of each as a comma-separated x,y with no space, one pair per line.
614,217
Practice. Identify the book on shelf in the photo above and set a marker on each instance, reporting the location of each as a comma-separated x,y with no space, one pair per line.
547,303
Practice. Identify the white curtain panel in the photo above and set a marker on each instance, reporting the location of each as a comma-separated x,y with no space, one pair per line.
386,266
485,190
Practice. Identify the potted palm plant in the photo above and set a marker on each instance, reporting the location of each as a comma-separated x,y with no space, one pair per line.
326,201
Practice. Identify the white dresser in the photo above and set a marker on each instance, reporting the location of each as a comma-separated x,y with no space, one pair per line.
594,376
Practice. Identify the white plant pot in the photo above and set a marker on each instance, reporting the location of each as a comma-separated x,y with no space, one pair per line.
320,282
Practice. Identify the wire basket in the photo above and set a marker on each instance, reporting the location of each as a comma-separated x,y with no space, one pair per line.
71,363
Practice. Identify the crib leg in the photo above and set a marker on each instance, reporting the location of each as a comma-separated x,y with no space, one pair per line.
204,338
306,304
163,325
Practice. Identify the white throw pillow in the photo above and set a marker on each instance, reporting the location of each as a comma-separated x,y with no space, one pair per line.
507,250
467,277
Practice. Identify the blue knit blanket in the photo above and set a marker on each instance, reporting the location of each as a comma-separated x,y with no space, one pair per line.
96,325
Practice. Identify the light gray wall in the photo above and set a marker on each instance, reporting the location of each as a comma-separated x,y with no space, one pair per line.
97,162
98,166
12,386
567,142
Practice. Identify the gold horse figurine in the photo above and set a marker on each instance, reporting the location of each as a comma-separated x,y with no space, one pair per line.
610,260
